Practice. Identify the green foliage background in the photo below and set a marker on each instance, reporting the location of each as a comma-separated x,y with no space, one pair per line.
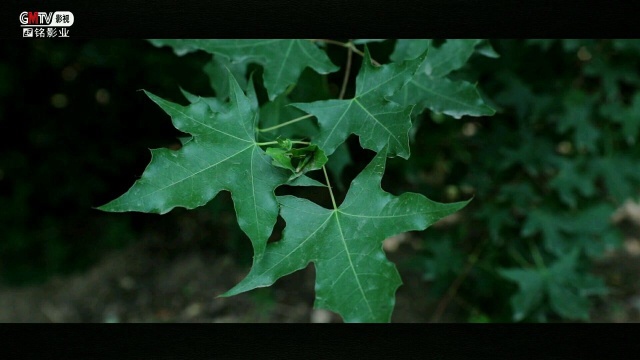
546,171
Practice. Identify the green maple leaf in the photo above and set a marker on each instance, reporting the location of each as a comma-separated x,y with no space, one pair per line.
221,155
572,179
450,56
217,70
577,117
429,88
406,49
353,276
376,120
214,103
454,98
586,229
531,291
550,225
620,175
283,60
562,284
627,116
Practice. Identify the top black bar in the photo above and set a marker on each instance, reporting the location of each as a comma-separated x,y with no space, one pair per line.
333,18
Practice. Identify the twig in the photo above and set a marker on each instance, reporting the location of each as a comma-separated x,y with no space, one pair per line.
453,289
348,45
347,71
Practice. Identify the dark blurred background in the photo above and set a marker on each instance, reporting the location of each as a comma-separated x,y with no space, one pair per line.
560,154
76,133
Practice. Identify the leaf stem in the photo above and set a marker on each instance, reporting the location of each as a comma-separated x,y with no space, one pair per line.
275,142
347,71
357,51
333,199
286,123
290,89
348,45
329,41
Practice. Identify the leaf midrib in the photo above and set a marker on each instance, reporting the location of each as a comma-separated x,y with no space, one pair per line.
284,257
351,265
190,176
378,121
176,109
286,58
379,85
418,85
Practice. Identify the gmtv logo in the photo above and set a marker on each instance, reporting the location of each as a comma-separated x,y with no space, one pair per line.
46,19
46,24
